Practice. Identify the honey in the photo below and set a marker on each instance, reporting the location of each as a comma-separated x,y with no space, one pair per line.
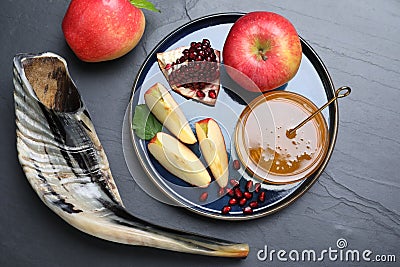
264,146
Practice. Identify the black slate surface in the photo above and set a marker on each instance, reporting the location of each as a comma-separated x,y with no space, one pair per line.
356,198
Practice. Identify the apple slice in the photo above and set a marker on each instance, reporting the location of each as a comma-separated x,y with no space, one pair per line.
178,159
167,111
212,145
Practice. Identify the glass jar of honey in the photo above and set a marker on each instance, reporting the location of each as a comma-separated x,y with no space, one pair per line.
264,147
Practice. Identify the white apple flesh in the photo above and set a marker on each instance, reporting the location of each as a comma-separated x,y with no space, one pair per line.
212,145
179,160
166,110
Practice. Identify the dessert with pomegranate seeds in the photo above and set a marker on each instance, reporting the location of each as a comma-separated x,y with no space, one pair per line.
193,71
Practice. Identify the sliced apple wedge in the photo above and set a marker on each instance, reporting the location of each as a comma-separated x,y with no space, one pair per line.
167,111
212,145
178,159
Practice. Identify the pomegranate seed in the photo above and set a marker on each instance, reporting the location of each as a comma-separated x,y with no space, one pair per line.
236,164
253,204
233,201
249,185
203,196
230,192
192,55
247,210
200,94
226,209
242,201
233,182
257,187
206,42
238,193
261,196
198,52
168,66
248,195
212,94
221,191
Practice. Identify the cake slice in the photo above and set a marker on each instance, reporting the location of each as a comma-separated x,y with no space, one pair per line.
193,71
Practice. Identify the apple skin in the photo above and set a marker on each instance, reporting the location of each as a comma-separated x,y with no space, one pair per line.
178,159
212,145
166,110
100,30
263,47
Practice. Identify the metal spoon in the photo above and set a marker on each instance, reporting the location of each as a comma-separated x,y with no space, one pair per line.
291,133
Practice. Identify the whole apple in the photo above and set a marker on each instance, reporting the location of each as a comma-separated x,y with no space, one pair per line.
100,30
262,51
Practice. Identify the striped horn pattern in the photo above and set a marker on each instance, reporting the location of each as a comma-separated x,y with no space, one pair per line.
65,163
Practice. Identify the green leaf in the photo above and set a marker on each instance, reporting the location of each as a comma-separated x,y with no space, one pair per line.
144,123
144,4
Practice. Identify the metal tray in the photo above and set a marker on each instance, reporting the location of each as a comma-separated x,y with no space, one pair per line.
312,81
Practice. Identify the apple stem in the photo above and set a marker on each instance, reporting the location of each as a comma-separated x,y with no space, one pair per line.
263,56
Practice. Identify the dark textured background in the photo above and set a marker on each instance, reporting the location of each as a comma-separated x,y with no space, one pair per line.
356,198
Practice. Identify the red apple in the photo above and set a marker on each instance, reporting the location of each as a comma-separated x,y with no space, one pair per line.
99,30
262,51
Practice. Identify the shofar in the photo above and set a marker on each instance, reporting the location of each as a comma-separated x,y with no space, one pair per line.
64,162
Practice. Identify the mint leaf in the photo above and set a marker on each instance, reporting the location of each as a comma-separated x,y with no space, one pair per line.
144,4
144,123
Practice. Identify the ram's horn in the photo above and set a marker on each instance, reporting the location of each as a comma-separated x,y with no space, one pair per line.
64,162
